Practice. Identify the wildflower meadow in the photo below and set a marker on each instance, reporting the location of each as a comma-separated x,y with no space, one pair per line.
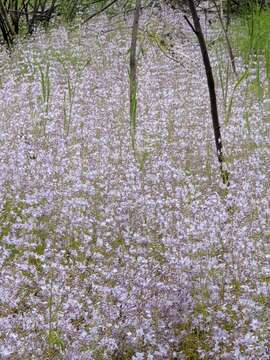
107,254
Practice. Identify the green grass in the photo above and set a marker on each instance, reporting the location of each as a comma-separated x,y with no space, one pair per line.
251,32
251,38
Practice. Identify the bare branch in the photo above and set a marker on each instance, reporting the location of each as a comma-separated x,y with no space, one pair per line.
100,11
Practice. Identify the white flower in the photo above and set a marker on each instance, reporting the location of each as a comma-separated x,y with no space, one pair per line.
138,356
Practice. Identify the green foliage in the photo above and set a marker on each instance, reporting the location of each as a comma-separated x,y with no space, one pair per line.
36,263
45,84
251,32
251,36
45,91
68,9
193,342
55,340
9,214
256,85
229,102
79,63
133,111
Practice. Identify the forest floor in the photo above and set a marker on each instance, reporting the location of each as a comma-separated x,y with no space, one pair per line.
108,257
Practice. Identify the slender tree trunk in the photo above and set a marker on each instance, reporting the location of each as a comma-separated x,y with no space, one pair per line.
133,74
5,32
196,27
31,22
228,14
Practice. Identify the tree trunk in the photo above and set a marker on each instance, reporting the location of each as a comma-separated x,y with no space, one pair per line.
133,75
196,27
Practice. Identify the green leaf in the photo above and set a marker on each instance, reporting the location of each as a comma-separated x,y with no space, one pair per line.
55,340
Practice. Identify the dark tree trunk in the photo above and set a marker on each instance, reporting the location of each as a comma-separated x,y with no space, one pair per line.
196,27
133,74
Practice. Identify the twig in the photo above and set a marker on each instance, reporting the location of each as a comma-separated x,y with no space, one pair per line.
100,11
225,32
190,24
